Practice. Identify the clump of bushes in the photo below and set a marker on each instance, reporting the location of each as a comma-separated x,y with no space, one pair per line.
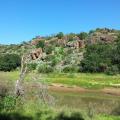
70,68
102,58
60,35
97,58
8,103
113,70
32,66
44,68
41,44
49,49
9,62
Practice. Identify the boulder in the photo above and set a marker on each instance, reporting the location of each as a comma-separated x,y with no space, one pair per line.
37,53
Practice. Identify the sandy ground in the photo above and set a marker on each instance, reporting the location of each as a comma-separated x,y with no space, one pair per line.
62,88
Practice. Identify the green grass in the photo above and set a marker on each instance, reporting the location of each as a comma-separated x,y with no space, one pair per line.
86,80
67,101
107,117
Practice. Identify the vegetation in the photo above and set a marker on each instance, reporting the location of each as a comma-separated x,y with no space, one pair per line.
60,35
82,35
40,44
68,104
9,62
99,51
71,64
102,58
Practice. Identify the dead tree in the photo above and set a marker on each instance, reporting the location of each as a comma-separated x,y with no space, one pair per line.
19,90
26,59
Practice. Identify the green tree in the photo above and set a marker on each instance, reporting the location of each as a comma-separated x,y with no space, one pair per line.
82,35
98,58
41,44
60,35
9,62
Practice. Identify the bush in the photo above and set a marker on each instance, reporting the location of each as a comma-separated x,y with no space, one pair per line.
9,62
71,68
113,70
49,49
98,58
7,103
82,35
60,35
32,66
44,68
41,44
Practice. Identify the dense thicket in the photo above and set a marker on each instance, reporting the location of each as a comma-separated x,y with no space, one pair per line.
9,62
102,58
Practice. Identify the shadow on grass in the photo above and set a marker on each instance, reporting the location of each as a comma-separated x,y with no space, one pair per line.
13,116
39,116
73,116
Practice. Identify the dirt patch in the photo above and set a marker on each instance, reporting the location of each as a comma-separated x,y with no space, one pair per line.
64,88
112,91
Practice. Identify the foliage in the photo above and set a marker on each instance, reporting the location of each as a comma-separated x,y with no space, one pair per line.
102,58
97,58
9,62
9,103
59,55
82,35
41,44
32,66
44,68
71,36
60,35
49,49
113,70
70,68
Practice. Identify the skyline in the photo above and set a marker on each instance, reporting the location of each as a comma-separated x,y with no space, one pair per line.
21,20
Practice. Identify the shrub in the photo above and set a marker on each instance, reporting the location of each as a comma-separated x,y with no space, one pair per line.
44,68
32,66
82,35
60,35
49,49
9,62
7,103
97,58
113,70
70,68
41,44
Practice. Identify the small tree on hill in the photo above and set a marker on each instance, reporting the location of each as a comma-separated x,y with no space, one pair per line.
41,44
60,35
82,35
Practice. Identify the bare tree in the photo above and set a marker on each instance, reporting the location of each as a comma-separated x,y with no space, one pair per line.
43,91
19,91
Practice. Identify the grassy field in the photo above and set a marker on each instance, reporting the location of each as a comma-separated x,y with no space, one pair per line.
101,105
85,80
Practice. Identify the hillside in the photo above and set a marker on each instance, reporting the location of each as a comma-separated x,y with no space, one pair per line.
78,85
65,52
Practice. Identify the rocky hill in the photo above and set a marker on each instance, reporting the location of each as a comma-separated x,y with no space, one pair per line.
61,52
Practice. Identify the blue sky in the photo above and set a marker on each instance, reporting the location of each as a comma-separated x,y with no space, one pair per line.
21,20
